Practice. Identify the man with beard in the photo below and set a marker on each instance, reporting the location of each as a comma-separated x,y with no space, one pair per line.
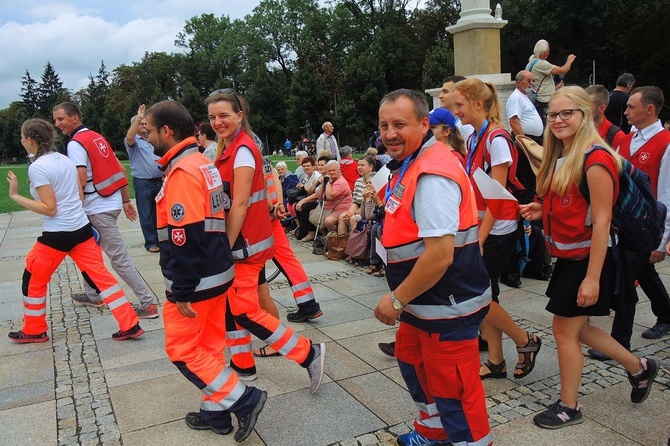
197,264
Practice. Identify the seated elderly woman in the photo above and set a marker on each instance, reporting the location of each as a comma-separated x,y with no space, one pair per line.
349,218
337,194
286,178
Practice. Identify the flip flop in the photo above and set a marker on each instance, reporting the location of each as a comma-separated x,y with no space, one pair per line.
262,353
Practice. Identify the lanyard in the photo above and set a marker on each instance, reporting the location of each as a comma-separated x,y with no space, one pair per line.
403,169
473,145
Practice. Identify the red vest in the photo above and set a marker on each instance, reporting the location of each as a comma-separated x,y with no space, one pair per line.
255,242
566,218
464,289
482,156
196,261
648,157
108,177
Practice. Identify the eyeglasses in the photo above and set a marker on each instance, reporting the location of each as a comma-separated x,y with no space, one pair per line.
151,130
227,91
563,114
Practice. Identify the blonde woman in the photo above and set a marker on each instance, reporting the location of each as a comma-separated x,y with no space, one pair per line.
579,236
476,103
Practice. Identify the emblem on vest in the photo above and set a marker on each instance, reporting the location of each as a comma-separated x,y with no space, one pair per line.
177,211
102,146
211,175
566,201
644,157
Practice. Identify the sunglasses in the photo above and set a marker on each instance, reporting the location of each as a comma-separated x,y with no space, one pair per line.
227,91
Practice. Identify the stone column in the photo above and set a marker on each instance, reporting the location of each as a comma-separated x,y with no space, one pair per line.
477,49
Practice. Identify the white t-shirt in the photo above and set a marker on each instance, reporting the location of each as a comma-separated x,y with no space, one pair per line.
435,206
500,154
94,203
244,158
519,105
465,129
60,173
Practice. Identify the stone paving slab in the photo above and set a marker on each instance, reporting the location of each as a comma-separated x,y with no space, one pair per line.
128,393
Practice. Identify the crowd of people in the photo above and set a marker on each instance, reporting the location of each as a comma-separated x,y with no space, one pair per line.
216,210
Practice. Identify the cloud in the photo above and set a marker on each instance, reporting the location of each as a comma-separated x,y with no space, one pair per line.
75,36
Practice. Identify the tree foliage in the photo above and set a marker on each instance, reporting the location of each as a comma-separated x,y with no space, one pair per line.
298,61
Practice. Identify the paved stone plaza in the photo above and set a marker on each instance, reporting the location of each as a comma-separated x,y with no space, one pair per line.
84,388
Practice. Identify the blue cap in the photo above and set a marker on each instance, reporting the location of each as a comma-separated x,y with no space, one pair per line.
442,116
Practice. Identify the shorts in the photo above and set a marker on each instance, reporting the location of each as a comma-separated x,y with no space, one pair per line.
564,287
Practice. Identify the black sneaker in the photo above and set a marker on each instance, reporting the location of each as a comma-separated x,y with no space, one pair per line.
194,421
558,415
131,333
301,316
246,423
21,338
642,383
388,348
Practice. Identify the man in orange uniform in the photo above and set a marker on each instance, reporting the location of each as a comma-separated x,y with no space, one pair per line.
440,289
197,264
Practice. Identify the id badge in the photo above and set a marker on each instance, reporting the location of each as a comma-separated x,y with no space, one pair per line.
392,205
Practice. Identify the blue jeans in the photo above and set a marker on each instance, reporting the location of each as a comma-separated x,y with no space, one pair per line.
145,197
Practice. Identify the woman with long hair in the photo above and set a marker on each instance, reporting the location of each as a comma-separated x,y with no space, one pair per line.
578,233
250,234
443,125
490,148
54,185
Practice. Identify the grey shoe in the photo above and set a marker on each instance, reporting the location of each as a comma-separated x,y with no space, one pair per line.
146,313
246,423
83,299
315,368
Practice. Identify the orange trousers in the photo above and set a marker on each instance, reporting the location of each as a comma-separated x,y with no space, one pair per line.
42,261
195,346
291,267
250,317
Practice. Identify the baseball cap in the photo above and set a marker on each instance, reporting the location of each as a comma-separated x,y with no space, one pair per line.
442,116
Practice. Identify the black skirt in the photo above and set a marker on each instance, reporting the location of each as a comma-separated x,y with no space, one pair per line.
566,280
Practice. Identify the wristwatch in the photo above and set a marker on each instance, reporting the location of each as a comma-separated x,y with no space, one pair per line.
397,305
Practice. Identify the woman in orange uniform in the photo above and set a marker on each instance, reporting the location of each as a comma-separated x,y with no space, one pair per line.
250,234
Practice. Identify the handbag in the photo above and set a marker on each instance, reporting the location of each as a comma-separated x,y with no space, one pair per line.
335,246
314,215
294,195
358,245
532,150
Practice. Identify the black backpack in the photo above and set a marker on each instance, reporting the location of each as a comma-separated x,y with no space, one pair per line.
638,218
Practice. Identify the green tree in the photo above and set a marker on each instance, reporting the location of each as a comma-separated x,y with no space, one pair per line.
50,92
29,94
11,119
93,100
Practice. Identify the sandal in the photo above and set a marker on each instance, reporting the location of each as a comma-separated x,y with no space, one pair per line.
373,269
529,352
381,272
496,371
262,353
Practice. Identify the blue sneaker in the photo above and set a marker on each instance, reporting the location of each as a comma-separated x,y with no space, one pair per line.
413,438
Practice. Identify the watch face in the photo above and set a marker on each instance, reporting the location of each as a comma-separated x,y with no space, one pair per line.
396,304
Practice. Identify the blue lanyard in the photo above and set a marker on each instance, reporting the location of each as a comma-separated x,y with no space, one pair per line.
403,169
473,145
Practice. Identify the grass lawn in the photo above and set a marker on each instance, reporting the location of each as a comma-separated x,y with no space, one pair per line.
21,171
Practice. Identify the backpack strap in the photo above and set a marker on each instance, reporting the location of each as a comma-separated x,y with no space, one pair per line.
611,133
513,183
530,68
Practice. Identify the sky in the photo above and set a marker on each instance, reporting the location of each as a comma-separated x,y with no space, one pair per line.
76,35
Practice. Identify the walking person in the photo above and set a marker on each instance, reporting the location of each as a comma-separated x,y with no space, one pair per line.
250,235
197,265
106,192
54,185
584,278
439,288
476,103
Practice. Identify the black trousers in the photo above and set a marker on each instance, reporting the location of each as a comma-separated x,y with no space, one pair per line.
639,268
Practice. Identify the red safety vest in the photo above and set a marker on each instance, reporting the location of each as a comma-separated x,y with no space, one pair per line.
255,242
648,157
189,214
566,218
108,177
270,181
464,289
